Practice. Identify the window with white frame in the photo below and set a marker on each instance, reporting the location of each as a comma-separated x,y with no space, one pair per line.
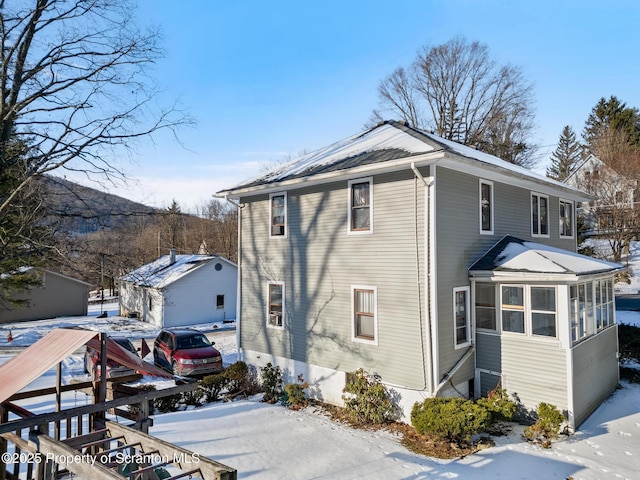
364,313
461,315
512,308
486,207
278,214
543,311
528,309
566,219
485,297
539,215
276,304
591,307
360,206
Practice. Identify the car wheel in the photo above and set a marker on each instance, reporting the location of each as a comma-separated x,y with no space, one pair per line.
174,367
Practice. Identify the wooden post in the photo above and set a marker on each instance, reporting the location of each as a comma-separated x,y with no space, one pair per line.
56,428
4,417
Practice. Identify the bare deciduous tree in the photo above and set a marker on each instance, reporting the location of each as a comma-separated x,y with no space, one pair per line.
74,84
615,214
459,92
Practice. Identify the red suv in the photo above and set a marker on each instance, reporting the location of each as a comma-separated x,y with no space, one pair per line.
186,352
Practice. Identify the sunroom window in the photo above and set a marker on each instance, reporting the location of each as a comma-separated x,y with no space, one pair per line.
512,309
543,311
486,306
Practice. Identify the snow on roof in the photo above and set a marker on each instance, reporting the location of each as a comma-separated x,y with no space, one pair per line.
390,140
383,138
161,272
512,254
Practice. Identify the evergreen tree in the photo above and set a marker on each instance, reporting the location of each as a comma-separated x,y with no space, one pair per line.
24,235
611,116
565,158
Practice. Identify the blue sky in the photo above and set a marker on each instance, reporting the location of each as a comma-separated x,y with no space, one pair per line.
267,80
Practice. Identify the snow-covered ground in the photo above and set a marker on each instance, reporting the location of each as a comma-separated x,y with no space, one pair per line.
271,442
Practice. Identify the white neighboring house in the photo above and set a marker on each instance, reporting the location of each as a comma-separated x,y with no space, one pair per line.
179,290
611,189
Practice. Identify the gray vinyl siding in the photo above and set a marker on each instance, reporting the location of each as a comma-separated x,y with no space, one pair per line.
459,242
319,262
488,352
595,372
534,370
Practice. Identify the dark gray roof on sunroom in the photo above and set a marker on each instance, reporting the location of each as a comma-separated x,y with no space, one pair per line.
514,255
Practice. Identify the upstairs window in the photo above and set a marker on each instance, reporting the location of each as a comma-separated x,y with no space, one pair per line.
276,304
486,207
566,219
278,214
360,206
539,215
364,314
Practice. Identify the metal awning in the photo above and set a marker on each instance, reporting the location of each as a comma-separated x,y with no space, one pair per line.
57,345
128,359
33,361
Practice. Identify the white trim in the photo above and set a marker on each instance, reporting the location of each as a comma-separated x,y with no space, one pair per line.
467,298
350,183
375,314
268,296
539,195
489,183
573,218
286,223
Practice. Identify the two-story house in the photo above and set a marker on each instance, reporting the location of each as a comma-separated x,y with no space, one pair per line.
443,270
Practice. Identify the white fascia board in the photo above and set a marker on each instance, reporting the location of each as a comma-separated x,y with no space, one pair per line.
348,174
524,277
503,175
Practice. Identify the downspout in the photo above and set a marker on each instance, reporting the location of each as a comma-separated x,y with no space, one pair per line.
429,242
239,206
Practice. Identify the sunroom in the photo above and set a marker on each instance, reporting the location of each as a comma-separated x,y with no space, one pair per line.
545,326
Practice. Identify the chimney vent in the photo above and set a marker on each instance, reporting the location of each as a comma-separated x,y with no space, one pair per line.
172,256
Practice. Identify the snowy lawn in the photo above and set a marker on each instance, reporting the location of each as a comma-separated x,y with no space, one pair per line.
271,442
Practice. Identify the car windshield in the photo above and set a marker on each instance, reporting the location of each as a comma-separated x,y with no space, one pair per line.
192,341
124,342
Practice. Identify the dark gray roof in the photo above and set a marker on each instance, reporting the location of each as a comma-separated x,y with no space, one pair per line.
514,255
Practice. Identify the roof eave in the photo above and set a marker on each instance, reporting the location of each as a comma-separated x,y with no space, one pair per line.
480,168
346,174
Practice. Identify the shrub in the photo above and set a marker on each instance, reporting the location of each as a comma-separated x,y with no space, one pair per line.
193,397
271,383
296,398
170,403
147,387
237,377
367,399
547,427
498,404
453,419
212,385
